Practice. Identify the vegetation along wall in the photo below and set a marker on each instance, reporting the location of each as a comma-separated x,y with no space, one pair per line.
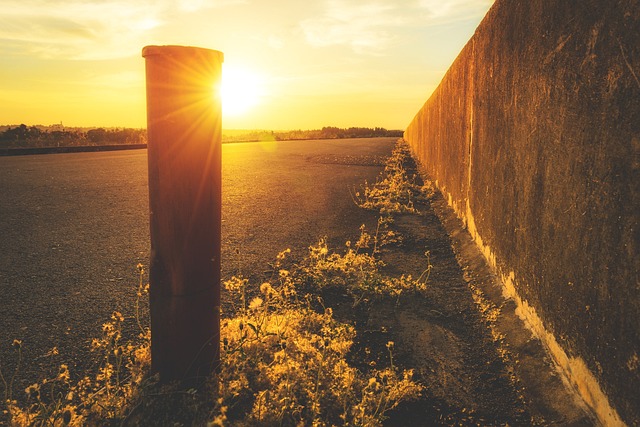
533,135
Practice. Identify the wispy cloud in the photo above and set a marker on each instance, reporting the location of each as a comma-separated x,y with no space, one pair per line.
79,30
442,11
76,29
369,27
196,5
365,27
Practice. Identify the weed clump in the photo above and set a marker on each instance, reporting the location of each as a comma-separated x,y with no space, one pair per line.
286,364
393,192
283,361
122,375
357,270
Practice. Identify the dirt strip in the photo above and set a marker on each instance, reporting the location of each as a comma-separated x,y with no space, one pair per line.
547,397
477,361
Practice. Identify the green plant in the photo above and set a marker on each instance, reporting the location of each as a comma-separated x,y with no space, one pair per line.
121,375
357,270
57,401
8,386
285,363
394,191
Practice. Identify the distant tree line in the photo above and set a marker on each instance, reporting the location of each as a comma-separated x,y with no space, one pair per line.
328,132
24,136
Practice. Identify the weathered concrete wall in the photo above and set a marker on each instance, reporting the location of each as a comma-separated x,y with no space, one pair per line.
534,137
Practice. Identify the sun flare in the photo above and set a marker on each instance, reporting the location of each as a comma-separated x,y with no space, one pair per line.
240,91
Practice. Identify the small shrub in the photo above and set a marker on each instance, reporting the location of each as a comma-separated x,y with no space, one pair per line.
356,270
286,364
394,191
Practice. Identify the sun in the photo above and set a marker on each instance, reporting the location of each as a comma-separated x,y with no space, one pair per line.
240,90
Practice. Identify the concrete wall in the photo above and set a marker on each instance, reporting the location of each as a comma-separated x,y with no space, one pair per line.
534,137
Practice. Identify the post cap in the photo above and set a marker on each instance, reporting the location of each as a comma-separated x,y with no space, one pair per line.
178,51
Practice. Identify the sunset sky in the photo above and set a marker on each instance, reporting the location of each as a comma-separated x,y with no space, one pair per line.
301,64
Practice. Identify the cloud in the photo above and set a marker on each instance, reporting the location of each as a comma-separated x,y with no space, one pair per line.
275,42
196,5
365,27
442,11
77,29
369,27
106,29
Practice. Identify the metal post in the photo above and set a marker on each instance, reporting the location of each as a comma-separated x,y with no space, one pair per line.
184,155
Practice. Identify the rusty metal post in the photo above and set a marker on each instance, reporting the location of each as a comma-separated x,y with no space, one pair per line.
184,156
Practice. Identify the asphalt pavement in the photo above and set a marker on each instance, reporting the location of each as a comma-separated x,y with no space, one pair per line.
74,226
